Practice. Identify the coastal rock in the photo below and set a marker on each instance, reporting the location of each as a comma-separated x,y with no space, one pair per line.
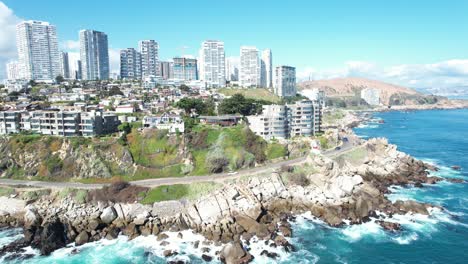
53,237
82,238
234,253
411,206
108,215
390,226
31,216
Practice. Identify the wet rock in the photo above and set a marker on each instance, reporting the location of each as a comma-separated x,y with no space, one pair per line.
169,253
164,243
162,236
206,258
82,238
53,237
390,226
234,252
271,255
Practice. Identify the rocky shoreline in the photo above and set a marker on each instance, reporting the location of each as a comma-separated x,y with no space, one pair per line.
338,191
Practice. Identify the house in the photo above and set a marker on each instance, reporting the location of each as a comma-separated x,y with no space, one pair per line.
169,121
222,120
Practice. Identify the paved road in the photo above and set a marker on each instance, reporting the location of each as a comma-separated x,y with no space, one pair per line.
345,147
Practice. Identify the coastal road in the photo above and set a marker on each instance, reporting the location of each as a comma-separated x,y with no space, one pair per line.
268,168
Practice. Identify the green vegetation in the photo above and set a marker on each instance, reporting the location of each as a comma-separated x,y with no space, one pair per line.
333,117
78,195
34,195
355,156
179,191
324,142
276,150
238,104
200,106
6,191
257,94
297,175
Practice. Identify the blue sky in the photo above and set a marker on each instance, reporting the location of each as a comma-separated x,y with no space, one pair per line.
323,39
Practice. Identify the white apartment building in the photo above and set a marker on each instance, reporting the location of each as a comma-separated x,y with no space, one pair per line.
272,123
249,75
10,122
38,52
94,55
371,96
232,69
130,64
302,118
13,70
285,81
149,50
212,63
58,123
267,69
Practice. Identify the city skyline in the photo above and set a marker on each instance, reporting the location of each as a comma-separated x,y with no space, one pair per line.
380,47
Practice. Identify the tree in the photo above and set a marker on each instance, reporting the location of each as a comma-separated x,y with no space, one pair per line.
238,104
200,106
115,91
125,127
184,88
59,79
32,83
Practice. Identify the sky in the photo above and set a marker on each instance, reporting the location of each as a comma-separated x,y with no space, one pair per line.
417,43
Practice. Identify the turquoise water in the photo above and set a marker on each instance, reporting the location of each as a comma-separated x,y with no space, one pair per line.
439,137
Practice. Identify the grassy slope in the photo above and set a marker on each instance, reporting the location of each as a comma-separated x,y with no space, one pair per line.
179,191
258,93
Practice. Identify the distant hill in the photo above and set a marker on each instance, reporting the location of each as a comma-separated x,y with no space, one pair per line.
351,87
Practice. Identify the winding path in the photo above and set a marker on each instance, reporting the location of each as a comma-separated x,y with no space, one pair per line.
268,168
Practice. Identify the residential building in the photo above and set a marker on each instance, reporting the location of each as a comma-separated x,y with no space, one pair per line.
185,69
64,65
285,81
221,120
167,121
166,68
371,96
302,118
272,123
98,123
17,85
232,69
249,67
212,63
78,75
130,64
38,52
13,70
266,69
149,50
94,55
10,122
59,122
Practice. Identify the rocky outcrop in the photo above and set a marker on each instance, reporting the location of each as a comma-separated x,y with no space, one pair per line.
260,206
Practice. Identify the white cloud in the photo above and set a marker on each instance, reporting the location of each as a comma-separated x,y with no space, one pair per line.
442,74
8,21
70,45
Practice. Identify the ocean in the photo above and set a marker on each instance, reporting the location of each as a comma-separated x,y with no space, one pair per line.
439,137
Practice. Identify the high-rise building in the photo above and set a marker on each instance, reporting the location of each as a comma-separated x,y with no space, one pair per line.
130,64
78,70
64,65
212,63
166,68
13,70
94,55
185,69
249,67
232,69
285,81
149,50
267,69
38,51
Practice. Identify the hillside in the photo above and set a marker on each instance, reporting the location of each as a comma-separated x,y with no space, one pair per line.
144,154
350,87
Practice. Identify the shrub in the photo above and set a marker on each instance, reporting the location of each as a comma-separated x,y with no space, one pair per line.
216,160
298,178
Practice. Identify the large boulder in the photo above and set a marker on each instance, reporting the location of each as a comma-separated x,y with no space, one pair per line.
82,238
53,237
234,253
31,216
252,226
108,215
